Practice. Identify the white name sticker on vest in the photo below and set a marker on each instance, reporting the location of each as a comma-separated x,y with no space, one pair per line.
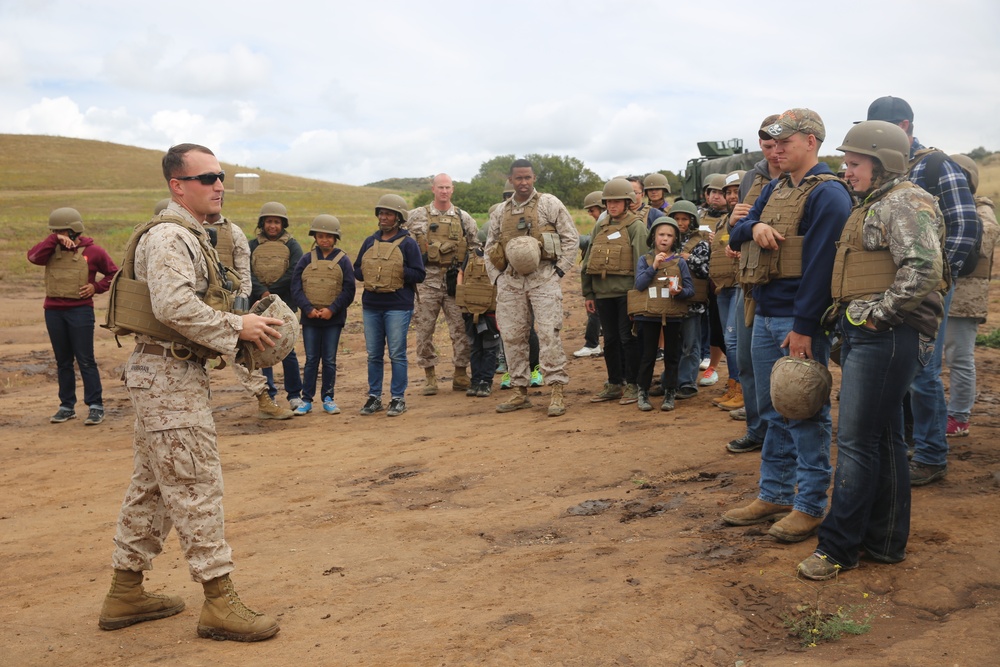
615,235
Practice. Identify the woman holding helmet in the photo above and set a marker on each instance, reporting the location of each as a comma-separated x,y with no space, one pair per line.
887,289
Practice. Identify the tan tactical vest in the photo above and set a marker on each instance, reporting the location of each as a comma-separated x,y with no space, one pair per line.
783,212
476,294
525,223
323,279
225,246
65,273
444,242
722,269
859,273
270,258
382,266
130,309
612,256
655,301
759,181
700,284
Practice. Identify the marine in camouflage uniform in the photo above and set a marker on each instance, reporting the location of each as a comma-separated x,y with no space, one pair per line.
432,294
888,284
520,296
177,475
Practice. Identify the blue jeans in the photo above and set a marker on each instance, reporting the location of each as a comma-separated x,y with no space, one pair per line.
382,327
321,346
930,411
687,372
730,302
960,355
796,452
292,380
756,428
870,508
71,332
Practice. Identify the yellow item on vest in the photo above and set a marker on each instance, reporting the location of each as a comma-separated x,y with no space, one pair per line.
382,266
323,280
65,273
721,268
269,260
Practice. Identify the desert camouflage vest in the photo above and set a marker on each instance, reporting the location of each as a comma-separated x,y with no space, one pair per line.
382,266
759,181
323,279
656,300
859,273
722,269
476,293
611,248
444,242
525,223
270,258
783,212
224,244
130,309
65,273
700,284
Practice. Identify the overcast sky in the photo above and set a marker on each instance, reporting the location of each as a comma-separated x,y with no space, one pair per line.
354,92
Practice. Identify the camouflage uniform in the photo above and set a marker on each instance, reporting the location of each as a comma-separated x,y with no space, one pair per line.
432,296
252,381
177,476
538,293
971,298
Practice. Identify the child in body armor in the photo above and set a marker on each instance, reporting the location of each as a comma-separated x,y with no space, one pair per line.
662,270
323,293
480,323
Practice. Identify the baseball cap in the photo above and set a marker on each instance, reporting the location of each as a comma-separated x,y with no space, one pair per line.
763,126
890,109
805,121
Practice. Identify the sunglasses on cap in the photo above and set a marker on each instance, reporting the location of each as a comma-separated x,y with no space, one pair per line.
204,179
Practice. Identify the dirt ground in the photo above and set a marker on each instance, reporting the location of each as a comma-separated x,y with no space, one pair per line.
454,535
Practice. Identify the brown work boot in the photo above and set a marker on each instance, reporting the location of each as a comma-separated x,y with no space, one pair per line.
128,603
736,401
726,396
224,616
517,401
460,381
758,511
795,527
268,409
431,383
557,408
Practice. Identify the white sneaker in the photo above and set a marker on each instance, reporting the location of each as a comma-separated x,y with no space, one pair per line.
588,351
295,403
705,363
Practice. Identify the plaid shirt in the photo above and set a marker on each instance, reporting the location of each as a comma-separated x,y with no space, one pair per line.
957,205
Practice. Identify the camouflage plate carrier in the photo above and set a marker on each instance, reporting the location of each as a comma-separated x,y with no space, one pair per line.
323,280
656,300
270,258
476,294
444,242
382,266
525,223
721,268
611,249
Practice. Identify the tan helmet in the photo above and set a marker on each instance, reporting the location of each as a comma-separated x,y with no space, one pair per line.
273,209
881,140
618,188
508,188
325,223
523,254
595,198
656,181
714,182
66,218
393,203
734,178
271,306
799,387
160,205
664,220
970,168
685,206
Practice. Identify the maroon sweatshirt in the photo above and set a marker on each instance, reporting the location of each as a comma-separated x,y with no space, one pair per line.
98,261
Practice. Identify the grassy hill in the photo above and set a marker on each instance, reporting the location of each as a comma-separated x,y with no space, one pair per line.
115,187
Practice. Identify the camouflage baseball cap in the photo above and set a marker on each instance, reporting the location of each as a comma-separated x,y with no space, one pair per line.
770,120
890,109
805,121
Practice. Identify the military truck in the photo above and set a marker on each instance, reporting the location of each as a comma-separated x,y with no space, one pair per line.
717,157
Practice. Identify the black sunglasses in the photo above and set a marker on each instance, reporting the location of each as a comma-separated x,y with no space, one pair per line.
204,179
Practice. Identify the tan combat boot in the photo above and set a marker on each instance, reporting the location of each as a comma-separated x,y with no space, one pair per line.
736,402
517,401
730,383
128,603
224,616
268,409
557,408
431,385
758,511
461,381
795,527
